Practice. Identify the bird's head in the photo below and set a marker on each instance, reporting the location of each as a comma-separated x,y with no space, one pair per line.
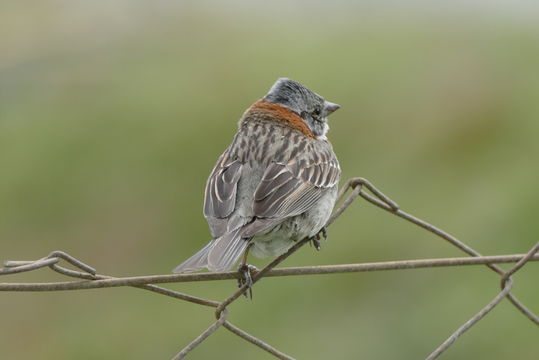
311,107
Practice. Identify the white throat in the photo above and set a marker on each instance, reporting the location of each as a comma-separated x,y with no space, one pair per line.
325,131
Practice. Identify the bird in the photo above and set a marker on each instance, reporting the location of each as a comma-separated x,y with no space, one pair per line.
275,184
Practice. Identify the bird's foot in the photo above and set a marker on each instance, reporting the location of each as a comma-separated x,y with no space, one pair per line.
324,232
315,240
246,279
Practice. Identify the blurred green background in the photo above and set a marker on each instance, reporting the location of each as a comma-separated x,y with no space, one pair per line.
112,115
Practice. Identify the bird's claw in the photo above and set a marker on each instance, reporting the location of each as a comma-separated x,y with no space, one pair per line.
324,232
246,279
315,240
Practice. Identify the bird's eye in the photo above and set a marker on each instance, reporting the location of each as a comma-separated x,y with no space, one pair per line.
317,111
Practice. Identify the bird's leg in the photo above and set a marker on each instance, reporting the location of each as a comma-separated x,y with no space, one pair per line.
324,232
315,240
245,274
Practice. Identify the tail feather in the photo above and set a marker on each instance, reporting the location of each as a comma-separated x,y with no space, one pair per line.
196,262
226,251
218,255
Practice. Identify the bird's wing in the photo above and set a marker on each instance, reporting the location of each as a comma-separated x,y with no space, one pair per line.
220,195
290,188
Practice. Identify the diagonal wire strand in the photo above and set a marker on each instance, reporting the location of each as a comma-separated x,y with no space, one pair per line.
506,284
183,353
382,201
253,340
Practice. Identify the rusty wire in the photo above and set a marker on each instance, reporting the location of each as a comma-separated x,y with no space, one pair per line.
89,279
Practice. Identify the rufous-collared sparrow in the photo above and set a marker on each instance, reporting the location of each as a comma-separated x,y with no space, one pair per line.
275,184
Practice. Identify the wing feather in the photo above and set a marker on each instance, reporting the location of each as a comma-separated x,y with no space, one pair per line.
220,195
291,188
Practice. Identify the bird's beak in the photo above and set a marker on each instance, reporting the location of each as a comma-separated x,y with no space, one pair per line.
330,107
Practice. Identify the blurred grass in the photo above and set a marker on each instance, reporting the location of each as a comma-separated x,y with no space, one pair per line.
112,115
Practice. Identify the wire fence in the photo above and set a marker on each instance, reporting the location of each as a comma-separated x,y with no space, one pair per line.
90,279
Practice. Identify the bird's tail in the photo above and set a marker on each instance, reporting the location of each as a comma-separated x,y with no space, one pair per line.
219,255
196,262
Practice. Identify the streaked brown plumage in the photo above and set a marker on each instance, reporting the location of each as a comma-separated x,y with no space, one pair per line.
275,184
